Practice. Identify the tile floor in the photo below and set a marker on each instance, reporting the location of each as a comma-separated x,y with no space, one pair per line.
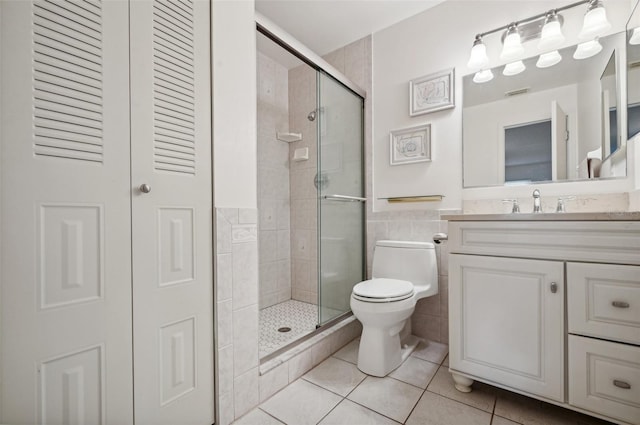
419,392
300,317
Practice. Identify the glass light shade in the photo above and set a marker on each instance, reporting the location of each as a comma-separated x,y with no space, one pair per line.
587,49
548,59
512,48
595,22
513,68
551,36
478,58
483,76
635,36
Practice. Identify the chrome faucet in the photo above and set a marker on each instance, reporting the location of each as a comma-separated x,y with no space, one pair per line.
536,201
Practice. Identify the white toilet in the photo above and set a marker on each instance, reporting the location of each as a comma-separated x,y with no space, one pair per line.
403,273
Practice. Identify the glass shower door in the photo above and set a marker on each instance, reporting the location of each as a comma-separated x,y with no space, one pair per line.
341,206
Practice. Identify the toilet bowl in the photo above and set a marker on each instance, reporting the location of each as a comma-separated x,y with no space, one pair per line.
403,273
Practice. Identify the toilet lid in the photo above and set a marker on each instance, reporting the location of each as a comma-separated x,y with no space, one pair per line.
382,288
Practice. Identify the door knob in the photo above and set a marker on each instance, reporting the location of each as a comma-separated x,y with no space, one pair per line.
145,188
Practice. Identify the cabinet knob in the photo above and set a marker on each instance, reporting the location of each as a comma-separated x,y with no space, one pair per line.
145,188
622,384
554,287
620,304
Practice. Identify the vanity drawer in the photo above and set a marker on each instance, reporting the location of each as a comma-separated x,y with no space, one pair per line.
604,301
604,377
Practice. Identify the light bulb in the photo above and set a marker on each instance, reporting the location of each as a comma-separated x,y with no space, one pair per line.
513,68
551,36
595,21
587,49
512,48
635,36
548,59
483,76
478,58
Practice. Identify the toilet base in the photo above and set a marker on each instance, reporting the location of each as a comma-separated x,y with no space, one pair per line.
390,352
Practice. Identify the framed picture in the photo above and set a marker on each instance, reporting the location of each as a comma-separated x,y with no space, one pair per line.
410,145
431,93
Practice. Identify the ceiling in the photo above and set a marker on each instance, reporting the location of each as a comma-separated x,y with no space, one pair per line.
325,25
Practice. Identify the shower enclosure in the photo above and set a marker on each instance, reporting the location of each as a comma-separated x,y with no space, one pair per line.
310,195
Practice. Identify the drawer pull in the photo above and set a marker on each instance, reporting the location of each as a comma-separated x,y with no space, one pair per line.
622,384
620,304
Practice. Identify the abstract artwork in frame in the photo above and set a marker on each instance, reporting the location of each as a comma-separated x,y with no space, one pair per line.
410,145
433,92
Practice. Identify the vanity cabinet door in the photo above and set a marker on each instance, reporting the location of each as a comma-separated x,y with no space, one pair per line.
506,319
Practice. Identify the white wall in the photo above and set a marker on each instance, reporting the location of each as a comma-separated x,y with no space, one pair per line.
234,103
437,39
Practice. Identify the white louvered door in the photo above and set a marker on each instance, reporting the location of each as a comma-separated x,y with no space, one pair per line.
65,225
172,224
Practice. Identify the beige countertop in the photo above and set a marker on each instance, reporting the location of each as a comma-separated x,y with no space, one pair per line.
571,216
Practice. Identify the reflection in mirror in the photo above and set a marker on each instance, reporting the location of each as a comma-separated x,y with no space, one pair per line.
543,124
633,73
608,87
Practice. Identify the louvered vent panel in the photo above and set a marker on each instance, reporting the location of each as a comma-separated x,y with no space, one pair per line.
67,76
173,86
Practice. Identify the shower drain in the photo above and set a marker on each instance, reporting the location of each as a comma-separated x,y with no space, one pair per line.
284,329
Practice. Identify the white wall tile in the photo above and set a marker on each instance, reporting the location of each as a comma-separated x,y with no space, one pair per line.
273,381
225,323
245,274
246,393
245,339
224,277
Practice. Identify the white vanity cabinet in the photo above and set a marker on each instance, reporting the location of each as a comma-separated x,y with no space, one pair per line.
508,321
512,282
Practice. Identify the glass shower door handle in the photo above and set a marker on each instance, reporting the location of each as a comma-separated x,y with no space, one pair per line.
344,198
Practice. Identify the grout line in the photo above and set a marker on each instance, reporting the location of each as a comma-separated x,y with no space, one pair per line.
269,414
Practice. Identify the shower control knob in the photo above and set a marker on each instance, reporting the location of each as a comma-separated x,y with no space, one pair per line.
145,188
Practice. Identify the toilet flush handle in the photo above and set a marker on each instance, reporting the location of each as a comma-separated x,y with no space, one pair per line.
439,237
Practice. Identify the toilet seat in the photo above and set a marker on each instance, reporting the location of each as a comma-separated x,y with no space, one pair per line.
382,290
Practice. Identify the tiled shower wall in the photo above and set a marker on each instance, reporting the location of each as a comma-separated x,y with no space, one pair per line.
302,101
273,183
354,61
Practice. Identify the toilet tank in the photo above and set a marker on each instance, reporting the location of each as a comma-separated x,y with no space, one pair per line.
412,261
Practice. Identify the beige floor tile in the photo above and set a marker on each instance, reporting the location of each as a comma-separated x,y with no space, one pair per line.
301,403
349,353
336,375
497,420
482,396
415,371
433,409
387,396
433,352
257,417
348,412
445,362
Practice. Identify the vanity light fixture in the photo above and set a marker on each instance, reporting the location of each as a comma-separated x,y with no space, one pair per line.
548,59
587,49
512,48
551,36
478,58
483,76
635,36
595,21
513,68
547,27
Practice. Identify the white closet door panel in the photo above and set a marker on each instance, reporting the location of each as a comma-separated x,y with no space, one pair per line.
65,228
172,224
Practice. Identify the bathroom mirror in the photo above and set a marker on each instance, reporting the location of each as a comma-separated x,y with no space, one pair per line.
545,124
633,73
